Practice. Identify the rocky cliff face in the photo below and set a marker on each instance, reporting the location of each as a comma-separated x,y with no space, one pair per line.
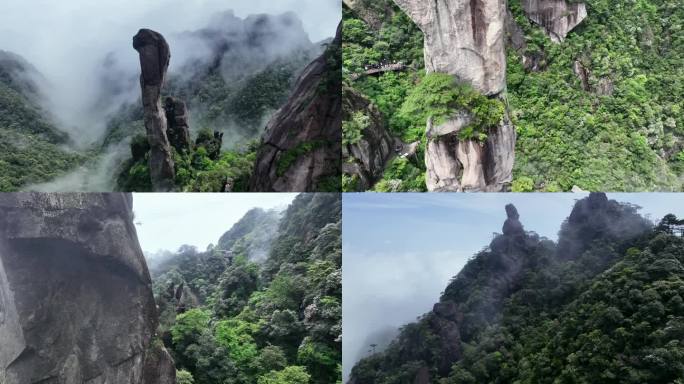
557,17
301,148
365,160
76,303
154,61
455,165
466,38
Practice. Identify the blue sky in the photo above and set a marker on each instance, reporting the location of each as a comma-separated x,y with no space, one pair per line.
400,250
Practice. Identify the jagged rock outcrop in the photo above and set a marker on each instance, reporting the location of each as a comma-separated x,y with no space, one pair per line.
464,38
365,160
301,148
154,61
557,17
178,130
76,303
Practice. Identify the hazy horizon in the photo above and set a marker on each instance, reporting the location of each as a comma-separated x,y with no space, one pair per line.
401,250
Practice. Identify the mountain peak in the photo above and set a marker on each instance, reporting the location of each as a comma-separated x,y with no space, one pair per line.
512,225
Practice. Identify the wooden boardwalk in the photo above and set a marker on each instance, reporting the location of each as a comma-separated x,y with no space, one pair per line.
396,67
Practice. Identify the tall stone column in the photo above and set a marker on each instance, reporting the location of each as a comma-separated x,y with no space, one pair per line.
154,62
466,39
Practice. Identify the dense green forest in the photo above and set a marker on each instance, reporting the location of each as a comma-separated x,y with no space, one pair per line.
261,306
603,304
32,149
619,130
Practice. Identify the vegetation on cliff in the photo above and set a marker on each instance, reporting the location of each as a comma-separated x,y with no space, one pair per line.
601,110
264,304
602,305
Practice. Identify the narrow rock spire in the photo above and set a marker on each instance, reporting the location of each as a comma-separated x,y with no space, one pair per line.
512,225
154,62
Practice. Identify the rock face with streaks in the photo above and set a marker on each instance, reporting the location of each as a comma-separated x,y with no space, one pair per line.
557,17
302,146
466,39
76,303
154,62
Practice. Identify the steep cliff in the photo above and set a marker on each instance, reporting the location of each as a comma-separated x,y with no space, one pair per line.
466,39
366,143
76,302
301,148
463,38
154,60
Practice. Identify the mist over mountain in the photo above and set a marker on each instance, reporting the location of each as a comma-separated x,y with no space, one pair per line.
527,309
233,67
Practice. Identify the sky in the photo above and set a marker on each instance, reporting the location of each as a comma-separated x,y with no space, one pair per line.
401,250
165,221
67,40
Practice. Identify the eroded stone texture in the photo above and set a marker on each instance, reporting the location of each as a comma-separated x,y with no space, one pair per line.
302,146
471,154
464,38
454,165
442,167
76,302
557,17
154,62
499,155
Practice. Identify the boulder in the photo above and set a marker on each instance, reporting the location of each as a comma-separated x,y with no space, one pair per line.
76,303
154,62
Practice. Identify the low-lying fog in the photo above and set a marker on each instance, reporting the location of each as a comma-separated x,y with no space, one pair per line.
401,250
